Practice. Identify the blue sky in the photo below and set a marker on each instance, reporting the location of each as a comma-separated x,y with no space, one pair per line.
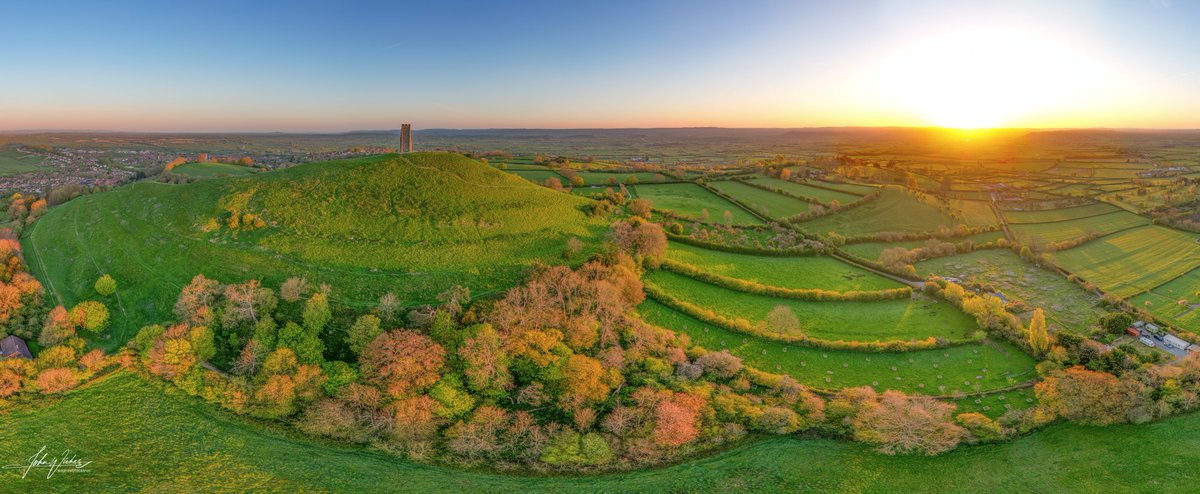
199,66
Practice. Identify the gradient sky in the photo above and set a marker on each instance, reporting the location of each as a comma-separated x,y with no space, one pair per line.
334,66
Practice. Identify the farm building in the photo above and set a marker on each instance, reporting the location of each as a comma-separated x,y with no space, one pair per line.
12,347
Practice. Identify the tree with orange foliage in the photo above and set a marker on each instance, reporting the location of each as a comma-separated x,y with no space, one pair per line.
486,362
245,161
584,382
1086,396
56,380
898,423
676,420
403,362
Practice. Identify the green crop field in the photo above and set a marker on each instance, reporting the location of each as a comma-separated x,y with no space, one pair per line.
603,178
824,195
1164,301
940,371
825,273
872,250
414,224
885,320
764,201
1061,231
209,170
1132,261
1066,304
13,162
1014,217
692,200
141,438
894,211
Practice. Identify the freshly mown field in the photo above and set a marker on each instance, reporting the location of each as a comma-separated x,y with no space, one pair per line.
823,272
143,439
941,371
1060,231
893,211
1062,214
13,162
1133,261
824,195
414,225
765,202
1164,301
872,250
1066,304
209,170
885,320
692,201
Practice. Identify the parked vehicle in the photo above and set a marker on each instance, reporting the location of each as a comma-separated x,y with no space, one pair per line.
1147,341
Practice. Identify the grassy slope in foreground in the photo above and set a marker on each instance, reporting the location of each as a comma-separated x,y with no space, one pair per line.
821,272
413,224
941,371
141,439
884,320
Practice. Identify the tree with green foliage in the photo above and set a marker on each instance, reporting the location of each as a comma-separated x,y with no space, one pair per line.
302,340
316,313
453,401
90,315
573,448
1039,336
1116,322
363,332
106,286
338,375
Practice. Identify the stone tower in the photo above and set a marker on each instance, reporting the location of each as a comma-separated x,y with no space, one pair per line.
406,138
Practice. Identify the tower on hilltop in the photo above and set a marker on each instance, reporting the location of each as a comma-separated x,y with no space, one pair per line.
406,138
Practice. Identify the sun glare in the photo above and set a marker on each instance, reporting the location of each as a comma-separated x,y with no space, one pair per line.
986,77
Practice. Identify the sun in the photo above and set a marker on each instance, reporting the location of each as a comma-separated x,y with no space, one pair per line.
982,77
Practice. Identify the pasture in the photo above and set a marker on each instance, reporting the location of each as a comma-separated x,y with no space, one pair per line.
893,211
765,202
1067,305
803,190
822,272
1062,231
212,170
413,225
693,201
1062,214
13,161
1163,301
872,250
884,320
539,176
1133,261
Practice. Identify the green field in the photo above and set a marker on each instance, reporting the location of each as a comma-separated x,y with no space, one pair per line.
1164,301
692,200
1014,217
1132,261
210,170
941,371
893,211
1066,304
825,273
764,201
803,190
885,320
539,176
142,440
872,250
13,162
1062,231
856,189
414,224
603,178
976,213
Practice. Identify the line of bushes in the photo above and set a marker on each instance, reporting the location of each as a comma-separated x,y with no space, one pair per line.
815,294
783,192
741,249
947,233
746,327
819,212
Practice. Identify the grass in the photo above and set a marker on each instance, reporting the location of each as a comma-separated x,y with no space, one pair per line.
976,213
414,225
13,162
764,201
825,273
941,371
1065,303
210,170
1062,214
893,211
856,189
692,200
602,178
1164,301
872,250
141,439
885,320
1061,231
1133,261
802,190
539,176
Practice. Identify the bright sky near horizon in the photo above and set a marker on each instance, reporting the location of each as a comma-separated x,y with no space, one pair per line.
335,66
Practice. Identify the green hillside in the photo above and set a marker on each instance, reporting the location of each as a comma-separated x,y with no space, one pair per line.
209,170
414,224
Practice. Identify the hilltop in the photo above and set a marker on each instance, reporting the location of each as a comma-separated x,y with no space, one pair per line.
411,224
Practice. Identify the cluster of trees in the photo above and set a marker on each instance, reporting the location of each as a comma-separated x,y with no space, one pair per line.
1182,218
781,292
833,207
900,260
771,240
25,209
56,369
987,309
22,305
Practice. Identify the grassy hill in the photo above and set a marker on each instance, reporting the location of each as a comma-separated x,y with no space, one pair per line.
140,439
414,224
210,170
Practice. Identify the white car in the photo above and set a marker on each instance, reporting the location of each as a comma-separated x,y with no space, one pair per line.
1147,341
